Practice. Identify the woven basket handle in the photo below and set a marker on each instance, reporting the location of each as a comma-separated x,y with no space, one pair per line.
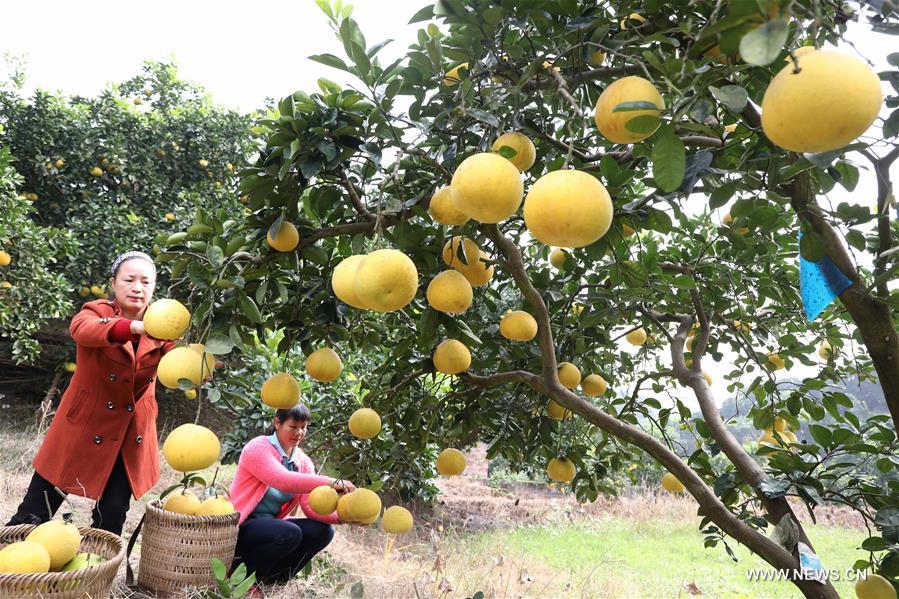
129,573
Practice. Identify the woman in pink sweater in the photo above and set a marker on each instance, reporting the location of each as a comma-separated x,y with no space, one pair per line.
273,477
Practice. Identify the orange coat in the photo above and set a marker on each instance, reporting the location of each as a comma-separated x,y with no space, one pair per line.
109,407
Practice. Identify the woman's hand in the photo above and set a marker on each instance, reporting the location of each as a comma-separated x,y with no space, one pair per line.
343,486
137,327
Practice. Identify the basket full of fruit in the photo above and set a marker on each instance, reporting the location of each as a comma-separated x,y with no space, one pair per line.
180,537
58,559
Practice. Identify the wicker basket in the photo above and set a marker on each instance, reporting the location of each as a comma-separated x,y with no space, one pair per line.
176,549
94,581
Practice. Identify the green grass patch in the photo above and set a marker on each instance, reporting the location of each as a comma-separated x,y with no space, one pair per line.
623,558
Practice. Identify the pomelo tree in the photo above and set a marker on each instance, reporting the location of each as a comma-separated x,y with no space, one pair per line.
678,205
113,171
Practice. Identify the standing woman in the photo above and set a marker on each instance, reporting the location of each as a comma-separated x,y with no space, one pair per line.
102,441
273,477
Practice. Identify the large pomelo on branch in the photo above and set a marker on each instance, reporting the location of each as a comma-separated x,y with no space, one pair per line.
464,255
451,462
444,207
189,363
488,187
525,153
568,209
518,325
825,106
386,280
450,292
629,90
365,423
324,365
561,470
191,447
281,391
343,280
452,357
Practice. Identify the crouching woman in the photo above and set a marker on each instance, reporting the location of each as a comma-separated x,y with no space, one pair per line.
273,477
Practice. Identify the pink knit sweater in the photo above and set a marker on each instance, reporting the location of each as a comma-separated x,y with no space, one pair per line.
260,467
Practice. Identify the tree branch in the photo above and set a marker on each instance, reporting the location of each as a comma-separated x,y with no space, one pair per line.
354,197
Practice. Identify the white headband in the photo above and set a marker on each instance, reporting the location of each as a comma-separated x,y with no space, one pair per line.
129,256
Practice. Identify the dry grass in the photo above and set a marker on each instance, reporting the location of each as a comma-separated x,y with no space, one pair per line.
441,557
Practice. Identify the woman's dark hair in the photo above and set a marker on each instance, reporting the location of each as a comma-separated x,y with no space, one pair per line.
298,412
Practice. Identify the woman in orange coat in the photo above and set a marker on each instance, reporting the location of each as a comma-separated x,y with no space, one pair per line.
102,442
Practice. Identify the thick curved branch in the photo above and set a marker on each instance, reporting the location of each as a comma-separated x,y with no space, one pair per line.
710,505
354,197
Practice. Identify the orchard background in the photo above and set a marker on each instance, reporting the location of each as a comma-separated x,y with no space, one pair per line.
154,163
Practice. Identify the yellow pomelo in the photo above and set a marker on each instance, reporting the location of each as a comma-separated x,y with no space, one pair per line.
634,16
463,254
568,209
800,51
593,385
597,58
451,357
728,221
191,447
166,319
365,423
450,292
5,259
557,257
83,560
286,239
775,362
555,411
451,462
444,208
636,337
323,500
61,540
364,505
781,425
453,77
324,365
769,438
396,520
215,506
343,280
671,484
96,171
24,557
281,391
190,393
825,350
525,153
488,187
789,437
343,504
832,100
569,375
518,325
184,363
874,586
70,367
613,125
98,292
387,280
182,503
560,470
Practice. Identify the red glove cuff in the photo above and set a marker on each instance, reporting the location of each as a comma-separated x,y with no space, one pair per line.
121,331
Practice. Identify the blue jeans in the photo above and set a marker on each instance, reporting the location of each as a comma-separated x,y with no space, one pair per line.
277,549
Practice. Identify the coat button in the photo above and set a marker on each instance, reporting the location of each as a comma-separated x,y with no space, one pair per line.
131,407
98,439
139,439
149,380
112,376
110,405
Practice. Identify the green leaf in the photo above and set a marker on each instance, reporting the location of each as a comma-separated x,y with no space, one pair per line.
218,344
425,14
733,97
216,256
821,434
722,194
645,123
218,568
668,160
634,106
811,246
762,45
330,60
856,239
250,310
315,254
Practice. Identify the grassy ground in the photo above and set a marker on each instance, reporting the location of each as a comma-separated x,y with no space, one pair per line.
509,544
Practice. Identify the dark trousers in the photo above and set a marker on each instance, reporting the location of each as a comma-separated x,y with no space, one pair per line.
277,549
42,500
